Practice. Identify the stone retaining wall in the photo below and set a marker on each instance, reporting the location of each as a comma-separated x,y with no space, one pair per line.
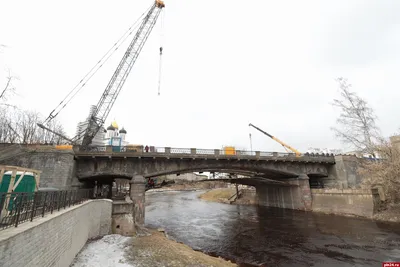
57,238
356,202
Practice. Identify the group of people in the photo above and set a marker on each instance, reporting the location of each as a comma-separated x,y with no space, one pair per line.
151,183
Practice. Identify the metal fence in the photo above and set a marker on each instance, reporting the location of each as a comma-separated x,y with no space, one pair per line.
16,208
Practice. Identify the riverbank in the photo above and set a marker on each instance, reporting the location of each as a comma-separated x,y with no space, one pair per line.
195,185
223,195
391,214
153,249
157,250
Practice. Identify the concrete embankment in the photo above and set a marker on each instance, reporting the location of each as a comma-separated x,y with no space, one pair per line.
55,239
343,202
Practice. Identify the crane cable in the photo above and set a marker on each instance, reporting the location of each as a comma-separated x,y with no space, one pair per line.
93,70
161,50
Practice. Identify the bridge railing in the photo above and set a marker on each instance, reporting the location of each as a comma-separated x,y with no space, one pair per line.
19,207
140,150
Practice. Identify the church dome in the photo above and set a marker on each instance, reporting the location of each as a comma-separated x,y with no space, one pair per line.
114,124
122,131
111,127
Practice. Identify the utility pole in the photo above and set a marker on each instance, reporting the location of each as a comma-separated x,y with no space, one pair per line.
251,144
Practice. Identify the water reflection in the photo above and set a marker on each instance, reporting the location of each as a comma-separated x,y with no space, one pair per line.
269,236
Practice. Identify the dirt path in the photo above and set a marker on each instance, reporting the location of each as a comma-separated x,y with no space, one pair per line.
157,250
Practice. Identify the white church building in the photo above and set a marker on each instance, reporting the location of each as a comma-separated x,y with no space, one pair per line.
110,136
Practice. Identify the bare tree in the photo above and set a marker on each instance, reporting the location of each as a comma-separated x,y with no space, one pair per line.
44,136
8,89
13,120
20,126
4,129
356,124
384,172
28,126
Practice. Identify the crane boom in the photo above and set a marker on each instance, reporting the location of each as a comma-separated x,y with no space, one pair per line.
298,154
120,75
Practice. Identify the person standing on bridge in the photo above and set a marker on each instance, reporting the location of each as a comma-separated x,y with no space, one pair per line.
146,149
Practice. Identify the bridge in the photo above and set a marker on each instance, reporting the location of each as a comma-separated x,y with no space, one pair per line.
72,165
281,179
123,163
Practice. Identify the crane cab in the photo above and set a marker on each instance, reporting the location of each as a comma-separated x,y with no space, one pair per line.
160,4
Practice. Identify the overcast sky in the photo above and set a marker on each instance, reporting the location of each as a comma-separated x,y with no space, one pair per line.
225,64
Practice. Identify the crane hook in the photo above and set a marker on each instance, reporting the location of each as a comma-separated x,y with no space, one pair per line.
159,70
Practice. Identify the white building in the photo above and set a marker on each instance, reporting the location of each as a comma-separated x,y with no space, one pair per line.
113,136
316,150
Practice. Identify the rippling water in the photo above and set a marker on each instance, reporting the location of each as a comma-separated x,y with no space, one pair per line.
264,236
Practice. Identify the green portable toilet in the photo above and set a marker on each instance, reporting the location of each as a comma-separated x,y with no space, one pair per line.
27,185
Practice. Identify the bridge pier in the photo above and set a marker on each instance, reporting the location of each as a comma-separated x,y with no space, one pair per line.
137,195
128,215
296,194
303,182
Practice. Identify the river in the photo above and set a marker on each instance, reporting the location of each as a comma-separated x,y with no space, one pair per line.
261,236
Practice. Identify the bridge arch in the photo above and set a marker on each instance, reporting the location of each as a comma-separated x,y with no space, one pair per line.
128,175
106,176
153,167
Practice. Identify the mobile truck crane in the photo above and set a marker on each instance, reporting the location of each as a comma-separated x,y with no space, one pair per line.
100,112
298,154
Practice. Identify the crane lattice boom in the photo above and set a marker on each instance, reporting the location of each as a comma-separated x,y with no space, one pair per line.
298,154
120,75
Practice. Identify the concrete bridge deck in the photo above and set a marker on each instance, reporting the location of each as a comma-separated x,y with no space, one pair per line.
197,153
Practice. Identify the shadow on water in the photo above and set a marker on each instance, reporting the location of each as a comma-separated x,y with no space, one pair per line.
261,236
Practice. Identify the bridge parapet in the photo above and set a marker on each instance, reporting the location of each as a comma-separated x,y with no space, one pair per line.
171,152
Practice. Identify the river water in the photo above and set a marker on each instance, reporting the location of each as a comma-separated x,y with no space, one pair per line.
261,236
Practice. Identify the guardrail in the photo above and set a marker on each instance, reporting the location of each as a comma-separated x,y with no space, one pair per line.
187,151
16,208
170,150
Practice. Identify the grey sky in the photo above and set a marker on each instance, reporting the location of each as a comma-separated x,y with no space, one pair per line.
225,64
